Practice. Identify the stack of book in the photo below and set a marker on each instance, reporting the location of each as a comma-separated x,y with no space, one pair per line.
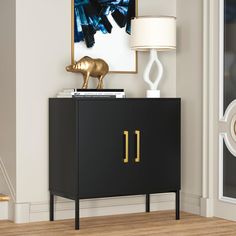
91,93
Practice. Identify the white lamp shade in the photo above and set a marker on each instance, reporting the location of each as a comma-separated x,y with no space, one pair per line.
153,33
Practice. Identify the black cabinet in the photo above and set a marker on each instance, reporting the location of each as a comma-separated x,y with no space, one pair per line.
113,147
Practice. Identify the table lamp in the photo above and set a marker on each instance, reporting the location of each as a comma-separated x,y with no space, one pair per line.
153,34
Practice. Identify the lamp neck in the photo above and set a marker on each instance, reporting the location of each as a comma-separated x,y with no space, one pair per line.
153,60
153,52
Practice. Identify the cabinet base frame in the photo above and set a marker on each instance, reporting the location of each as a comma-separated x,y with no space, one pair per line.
147,206
177,205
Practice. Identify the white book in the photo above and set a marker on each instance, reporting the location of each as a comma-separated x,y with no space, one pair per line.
98,93
91,92
69,95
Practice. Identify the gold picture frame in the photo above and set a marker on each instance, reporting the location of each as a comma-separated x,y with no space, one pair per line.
72,42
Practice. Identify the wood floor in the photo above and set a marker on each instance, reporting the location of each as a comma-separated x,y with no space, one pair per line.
144,224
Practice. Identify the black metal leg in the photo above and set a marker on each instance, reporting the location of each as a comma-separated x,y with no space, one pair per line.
77,214
177,215
51,207
147,202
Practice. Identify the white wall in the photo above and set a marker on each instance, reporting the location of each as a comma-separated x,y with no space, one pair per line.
43,51
189,88
7,93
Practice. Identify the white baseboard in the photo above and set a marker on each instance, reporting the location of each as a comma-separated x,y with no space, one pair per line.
190,203
3,210
207,207
22,213
11,210
64,209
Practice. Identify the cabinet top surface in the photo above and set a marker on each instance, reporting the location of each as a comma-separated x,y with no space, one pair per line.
115,99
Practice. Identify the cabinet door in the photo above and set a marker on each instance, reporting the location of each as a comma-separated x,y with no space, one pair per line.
158,121
102,171
102,146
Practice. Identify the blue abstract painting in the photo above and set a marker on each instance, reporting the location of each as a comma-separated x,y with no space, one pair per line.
230,11
92,16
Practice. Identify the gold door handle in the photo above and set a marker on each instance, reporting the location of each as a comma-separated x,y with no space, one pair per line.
137,133
126,134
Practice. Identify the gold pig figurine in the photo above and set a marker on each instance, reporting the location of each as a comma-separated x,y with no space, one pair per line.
88,66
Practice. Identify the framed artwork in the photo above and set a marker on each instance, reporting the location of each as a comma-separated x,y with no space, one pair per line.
101,29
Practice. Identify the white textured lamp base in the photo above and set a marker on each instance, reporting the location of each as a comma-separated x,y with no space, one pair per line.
153,84
153,93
